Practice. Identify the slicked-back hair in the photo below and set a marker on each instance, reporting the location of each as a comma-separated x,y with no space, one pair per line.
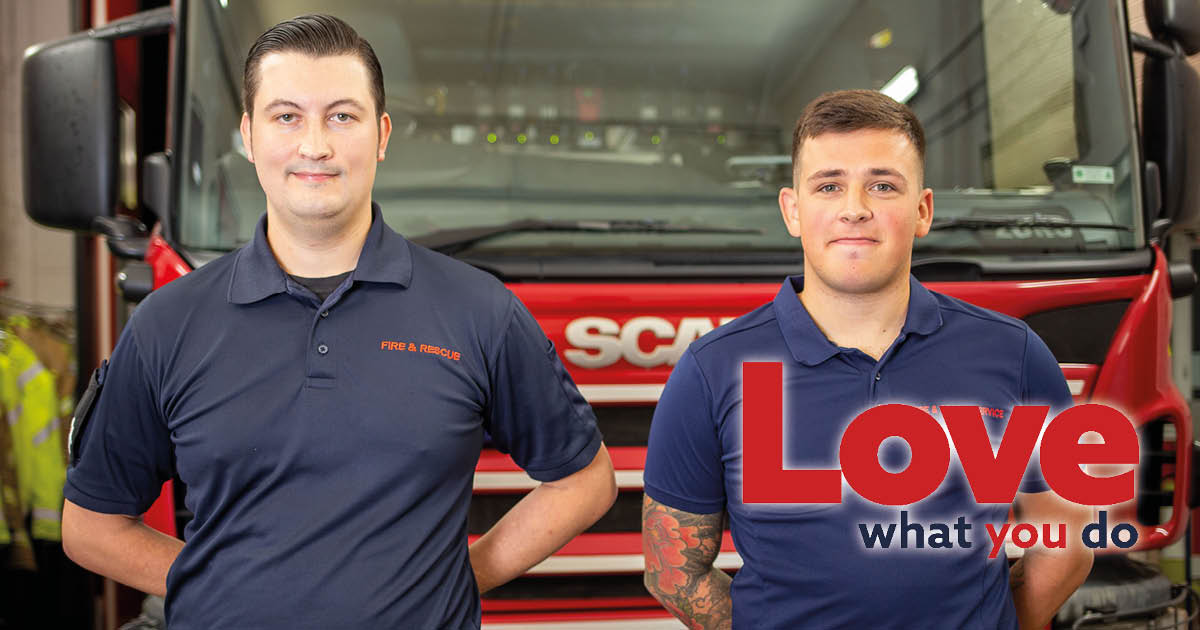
315,35
851,110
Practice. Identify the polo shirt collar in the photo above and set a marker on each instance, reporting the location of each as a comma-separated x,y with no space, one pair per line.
810,346
385,257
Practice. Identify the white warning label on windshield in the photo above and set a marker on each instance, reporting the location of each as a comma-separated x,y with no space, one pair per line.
1081,174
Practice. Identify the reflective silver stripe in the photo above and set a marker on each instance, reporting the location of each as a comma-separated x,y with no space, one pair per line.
29,374
45,433
46,514
621,393
615,563
14,414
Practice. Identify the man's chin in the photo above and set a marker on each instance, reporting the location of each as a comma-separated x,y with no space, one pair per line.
861,284
315,209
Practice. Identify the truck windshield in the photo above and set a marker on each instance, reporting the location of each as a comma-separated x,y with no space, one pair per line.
680,112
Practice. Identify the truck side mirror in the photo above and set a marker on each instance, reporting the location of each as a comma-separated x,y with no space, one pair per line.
69,110
1175,21
1170,96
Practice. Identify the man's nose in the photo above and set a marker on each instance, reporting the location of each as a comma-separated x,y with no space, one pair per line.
314,145
856,208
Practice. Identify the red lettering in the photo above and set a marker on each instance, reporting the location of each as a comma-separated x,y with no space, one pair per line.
927,466
1062,454
997,539
994,479
764,480
1049,542
383,345
1031,535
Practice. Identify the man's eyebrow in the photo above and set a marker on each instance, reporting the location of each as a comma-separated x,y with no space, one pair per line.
829,172
279,102
341,102
887,172
346,101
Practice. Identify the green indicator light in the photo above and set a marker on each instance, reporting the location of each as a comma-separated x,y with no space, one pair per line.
521,138
589,136
655,139
721,139
492,138
554,139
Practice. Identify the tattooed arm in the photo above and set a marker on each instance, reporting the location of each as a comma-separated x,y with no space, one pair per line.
679,548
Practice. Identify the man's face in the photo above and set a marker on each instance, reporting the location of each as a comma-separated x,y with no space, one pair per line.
856,207
314,139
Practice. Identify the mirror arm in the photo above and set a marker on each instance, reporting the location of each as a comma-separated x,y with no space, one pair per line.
1151,47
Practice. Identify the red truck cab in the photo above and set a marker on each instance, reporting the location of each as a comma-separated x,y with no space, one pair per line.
617,164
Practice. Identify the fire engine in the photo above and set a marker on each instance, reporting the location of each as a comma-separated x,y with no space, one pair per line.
616,163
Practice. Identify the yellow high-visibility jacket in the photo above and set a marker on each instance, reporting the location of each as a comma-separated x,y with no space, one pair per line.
33,420
8,487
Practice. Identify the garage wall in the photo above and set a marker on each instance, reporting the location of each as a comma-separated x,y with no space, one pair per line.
36,262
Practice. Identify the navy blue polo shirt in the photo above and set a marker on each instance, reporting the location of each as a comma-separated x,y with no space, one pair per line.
328,448
806,565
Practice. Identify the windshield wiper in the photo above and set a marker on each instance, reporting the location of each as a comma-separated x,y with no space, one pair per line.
451,241
1033,220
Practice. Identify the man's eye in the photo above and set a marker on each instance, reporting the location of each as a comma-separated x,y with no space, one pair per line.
827,188
343,117
884,187
286,118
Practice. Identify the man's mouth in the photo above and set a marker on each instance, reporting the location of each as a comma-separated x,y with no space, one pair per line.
854,240
314,176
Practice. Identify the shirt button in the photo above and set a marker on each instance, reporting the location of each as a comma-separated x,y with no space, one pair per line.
878,375
324,313
322,349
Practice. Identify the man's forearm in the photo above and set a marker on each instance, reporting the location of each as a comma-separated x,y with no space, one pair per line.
702,603
680,548
1042,581
119,547
542,522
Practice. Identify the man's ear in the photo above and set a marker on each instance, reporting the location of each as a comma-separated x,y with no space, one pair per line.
789,207
385,132
925,212
245,129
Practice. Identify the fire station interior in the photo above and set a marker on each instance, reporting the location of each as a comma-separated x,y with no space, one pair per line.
672,116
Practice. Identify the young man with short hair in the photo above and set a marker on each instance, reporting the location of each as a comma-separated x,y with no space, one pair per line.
324,392
856,330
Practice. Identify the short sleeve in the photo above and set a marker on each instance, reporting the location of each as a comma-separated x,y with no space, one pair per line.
125,451
1042,384
683,456
535,412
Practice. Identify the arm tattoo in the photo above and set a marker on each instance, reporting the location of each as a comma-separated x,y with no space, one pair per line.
1016,574
679,548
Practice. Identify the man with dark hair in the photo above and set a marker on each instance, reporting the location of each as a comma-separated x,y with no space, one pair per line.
856,330
324,393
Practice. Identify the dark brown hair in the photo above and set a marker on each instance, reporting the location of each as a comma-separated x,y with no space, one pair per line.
315,35
852,110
